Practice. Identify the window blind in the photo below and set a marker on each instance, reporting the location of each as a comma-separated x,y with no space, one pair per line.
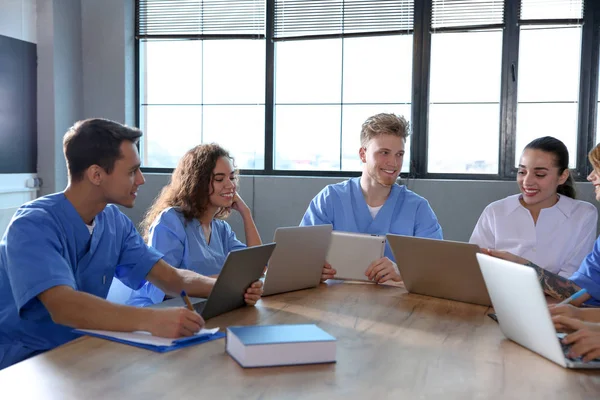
307,18
200,17
551,9
466,13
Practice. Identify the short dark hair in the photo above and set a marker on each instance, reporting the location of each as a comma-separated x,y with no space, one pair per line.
95,141
549,144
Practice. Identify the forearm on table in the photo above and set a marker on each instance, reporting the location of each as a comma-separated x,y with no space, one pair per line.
195,284
172,281
554,285
85,311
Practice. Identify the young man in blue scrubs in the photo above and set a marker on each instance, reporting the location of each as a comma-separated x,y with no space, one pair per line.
374,203
60,253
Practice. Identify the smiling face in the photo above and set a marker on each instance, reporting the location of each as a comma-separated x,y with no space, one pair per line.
382,158
538,178
121,185
594,177
224,184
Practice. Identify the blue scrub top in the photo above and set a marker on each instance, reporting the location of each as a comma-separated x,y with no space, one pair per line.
184,246
47,244
344,206
588,275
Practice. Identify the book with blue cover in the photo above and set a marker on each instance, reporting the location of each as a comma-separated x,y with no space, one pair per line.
277,345
146,341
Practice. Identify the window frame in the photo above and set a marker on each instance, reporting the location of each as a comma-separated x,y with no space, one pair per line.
421,63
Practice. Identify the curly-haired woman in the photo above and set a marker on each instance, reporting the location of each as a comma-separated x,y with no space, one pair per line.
186,221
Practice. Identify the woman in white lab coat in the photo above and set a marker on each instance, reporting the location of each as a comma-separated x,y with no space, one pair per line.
544,223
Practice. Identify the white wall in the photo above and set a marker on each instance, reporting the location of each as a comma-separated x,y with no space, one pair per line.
18,19
114,80
60,92
281,201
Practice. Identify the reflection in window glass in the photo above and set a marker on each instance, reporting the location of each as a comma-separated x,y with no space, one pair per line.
202,91
464,111
548,92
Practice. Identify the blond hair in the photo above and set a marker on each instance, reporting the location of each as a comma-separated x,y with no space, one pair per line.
594,157
384,124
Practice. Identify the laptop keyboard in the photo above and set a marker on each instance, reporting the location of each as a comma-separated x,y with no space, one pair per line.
566,348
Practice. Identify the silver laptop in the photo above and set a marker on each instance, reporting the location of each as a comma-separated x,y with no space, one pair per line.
298,259
522,310
350,254
440,268
242,268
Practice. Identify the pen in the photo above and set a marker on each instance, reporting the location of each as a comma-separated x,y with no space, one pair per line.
187,301
573,297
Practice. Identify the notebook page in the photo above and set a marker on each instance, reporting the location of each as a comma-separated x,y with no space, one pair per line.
145,337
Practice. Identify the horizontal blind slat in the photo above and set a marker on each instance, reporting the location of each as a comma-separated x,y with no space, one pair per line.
305,18
465,13
201,17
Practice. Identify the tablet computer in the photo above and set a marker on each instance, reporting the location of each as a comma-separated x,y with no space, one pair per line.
350,254
242,267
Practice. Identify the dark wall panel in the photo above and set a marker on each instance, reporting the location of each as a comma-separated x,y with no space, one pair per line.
18,106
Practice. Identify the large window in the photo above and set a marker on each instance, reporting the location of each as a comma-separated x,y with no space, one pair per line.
331,75
464,99
285,85
202,79
200,92
549,65
327,88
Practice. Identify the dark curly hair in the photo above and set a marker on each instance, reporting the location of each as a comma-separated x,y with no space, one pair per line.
190,186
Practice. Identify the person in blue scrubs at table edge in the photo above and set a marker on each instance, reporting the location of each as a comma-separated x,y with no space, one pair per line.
374,203
186,221
60,253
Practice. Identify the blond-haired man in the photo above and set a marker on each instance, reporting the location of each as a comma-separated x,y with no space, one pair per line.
374,203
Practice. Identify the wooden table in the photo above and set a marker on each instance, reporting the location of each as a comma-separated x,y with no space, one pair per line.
391,344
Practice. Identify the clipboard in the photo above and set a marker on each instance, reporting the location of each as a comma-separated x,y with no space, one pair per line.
146,341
